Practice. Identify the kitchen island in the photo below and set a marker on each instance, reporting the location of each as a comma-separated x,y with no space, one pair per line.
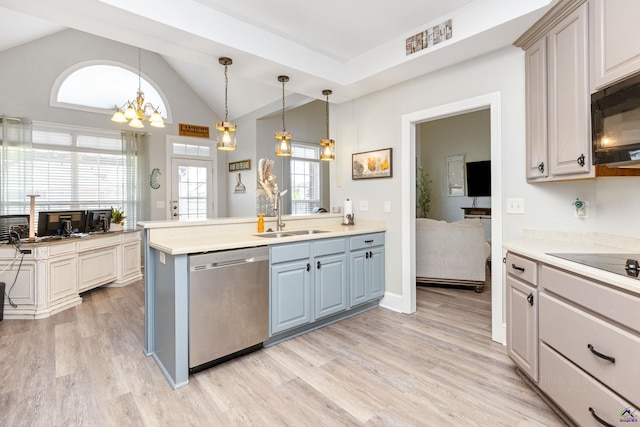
170,244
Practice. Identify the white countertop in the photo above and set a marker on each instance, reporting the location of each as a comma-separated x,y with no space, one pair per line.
539,249
241,237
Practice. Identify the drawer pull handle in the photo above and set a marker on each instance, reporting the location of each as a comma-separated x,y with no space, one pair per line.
369,241
515,267
598,419
600,355
530,299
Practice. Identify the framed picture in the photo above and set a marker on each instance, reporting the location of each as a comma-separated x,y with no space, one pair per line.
372,164
240,166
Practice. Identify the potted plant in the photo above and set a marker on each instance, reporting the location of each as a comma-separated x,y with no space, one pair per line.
423,194
117,219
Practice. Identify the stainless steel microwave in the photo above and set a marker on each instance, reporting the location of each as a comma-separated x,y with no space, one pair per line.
615,124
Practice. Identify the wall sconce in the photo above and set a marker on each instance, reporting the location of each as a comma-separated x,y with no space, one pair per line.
283,139
225,130
327,146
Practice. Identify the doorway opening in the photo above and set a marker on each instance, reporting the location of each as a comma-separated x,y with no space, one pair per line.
410,124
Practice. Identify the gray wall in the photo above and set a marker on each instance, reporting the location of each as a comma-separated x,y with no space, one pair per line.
466,134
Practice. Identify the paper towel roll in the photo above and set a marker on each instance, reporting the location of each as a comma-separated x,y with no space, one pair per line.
348,210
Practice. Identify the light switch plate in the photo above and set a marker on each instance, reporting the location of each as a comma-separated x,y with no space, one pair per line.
364,205
387,206
515,206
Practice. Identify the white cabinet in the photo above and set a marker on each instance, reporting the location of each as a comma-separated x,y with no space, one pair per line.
557,94
522,313
97,268
614,41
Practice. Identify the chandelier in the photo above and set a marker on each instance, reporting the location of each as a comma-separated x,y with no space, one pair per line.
328,146
135,112
226,131
283,139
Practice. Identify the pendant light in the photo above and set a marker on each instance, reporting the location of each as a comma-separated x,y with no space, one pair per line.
135,112
327,146
226,131
283,139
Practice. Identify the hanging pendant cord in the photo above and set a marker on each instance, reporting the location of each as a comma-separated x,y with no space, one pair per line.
327,115
226,84
283,128
139,71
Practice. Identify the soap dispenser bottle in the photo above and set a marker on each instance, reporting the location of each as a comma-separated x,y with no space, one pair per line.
260,224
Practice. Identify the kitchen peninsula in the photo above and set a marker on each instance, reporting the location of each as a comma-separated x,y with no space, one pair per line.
319,271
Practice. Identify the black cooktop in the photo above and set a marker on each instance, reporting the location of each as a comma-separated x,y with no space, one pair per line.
623,264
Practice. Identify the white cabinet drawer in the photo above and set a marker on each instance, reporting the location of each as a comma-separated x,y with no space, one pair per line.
578,336
616,305
523,268
576,392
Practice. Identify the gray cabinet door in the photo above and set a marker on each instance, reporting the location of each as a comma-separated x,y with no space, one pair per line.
568,96
290,295
376,273
358,277
522,326
330,284
536,104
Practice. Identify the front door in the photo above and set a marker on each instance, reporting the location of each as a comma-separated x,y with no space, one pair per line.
191,189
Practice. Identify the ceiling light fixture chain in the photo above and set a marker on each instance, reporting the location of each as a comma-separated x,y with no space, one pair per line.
328,149
226,131
135,112
283,139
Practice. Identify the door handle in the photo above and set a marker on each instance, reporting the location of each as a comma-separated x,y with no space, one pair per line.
308,267
318,265
580,160
541,167
530,299
366,255
370,254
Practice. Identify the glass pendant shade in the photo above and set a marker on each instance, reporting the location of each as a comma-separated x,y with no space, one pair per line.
225,130
136,123
226,136
327,145
119,117
283,139
283,144
327,150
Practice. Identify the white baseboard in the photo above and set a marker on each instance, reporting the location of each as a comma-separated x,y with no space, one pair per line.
393,302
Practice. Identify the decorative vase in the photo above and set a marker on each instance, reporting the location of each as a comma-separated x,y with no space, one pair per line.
264,204
115,227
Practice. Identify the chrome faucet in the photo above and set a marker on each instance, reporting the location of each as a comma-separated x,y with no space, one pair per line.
278,207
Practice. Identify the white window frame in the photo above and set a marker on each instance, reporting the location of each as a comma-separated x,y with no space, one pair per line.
315,160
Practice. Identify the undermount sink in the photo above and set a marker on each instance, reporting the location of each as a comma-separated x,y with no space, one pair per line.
277,234
274,235
301,232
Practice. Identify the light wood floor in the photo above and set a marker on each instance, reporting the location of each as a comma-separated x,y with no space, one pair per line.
438,367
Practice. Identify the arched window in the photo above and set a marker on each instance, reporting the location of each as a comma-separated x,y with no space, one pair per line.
100,86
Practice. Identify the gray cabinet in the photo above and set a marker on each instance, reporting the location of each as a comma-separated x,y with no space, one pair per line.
308,282
366,268
557,94
522,313
290,299
615,31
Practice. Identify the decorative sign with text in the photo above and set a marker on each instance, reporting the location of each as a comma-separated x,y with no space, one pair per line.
193,130
429,37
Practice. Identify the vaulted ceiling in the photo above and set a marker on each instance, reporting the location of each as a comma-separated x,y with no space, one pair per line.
352,47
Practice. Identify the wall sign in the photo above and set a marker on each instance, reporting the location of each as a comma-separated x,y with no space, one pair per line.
240,166
193,130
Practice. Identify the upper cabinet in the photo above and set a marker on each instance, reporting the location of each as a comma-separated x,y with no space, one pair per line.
614,41
557,94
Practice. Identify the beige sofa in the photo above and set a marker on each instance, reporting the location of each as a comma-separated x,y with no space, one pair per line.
451,253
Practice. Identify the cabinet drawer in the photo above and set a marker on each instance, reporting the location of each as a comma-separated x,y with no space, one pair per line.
575,391
523,268
570,331
366,241
611,303
290,252
329,247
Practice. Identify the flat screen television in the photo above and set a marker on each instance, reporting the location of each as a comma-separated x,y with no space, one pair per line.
51,223
98,220
479,178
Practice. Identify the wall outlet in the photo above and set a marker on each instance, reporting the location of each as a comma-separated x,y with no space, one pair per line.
364,205
515,206
581,211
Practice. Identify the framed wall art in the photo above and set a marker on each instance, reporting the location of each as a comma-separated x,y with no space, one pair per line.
372,164
240,166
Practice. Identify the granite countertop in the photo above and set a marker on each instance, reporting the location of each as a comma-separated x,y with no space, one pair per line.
539,249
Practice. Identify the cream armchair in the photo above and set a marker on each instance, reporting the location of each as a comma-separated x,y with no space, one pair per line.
451,253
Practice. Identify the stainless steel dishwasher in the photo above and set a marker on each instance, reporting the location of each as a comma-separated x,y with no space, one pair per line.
228,305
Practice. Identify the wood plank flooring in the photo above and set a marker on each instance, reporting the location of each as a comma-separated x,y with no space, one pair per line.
438,367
